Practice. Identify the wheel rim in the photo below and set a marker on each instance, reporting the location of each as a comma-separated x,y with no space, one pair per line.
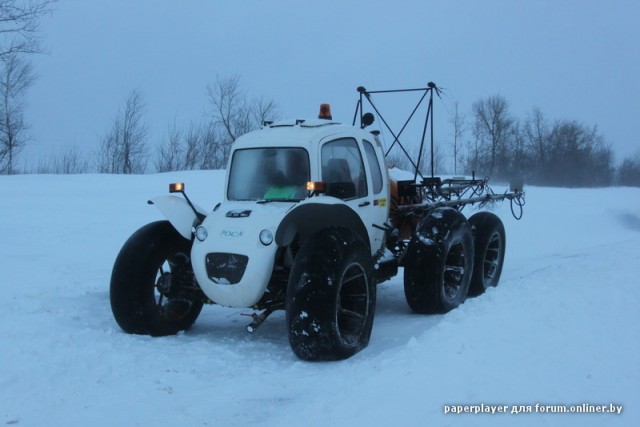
454,269
170,277
353,305
491,260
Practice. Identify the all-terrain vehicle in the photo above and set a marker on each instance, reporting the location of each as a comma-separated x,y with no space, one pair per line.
310,223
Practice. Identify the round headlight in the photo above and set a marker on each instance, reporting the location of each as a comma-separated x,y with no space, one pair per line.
201,233
266,237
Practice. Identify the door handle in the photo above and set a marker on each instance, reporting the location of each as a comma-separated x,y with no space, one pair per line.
363,204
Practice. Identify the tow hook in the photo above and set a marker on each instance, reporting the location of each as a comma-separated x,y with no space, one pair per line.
258,319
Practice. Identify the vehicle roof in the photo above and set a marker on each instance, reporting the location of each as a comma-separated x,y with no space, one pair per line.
296,133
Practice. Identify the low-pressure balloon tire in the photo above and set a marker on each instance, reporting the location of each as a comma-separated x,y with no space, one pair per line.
439,262
490,245
152,286
331,296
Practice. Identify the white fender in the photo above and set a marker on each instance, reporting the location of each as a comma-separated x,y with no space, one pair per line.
178,212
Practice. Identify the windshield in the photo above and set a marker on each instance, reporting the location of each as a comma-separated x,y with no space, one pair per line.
269,174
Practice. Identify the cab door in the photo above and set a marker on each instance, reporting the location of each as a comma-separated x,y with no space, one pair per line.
345,174
378,191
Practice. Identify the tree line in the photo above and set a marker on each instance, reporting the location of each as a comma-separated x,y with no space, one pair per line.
548,152
204,145
538,150
492,143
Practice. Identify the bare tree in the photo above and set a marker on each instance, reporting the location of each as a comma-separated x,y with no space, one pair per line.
262,110
629,171
492,128
230,110
20,25
207,145
16,76
19,35
68,161
199,147
233,111
578,156
214,152
438,160
536,130
517,150
124,147
457,120
169,154
193,139
471,158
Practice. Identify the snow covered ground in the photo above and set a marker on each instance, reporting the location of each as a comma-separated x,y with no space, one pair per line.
563,327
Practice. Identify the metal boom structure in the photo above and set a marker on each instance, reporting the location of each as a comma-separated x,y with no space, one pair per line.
432,192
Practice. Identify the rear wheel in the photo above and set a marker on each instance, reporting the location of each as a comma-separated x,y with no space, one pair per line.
331,297
490,245
439,262
153,290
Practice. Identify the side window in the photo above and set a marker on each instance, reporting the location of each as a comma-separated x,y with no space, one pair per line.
343,169
374,166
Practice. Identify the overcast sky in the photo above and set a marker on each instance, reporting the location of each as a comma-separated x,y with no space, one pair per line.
575,59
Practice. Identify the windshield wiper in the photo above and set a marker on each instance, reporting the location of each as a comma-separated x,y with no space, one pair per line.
263,201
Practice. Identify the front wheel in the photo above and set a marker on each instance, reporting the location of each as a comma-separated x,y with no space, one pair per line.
331,297
153,290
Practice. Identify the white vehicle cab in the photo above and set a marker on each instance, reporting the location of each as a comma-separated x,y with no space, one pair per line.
267,203
305,226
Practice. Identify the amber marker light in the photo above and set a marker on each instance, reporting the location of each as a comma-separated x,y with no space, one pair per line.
176,187
325,112
316,186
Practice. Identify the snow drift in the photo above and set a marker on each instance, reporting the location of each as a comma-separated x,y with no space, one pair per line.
562,328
